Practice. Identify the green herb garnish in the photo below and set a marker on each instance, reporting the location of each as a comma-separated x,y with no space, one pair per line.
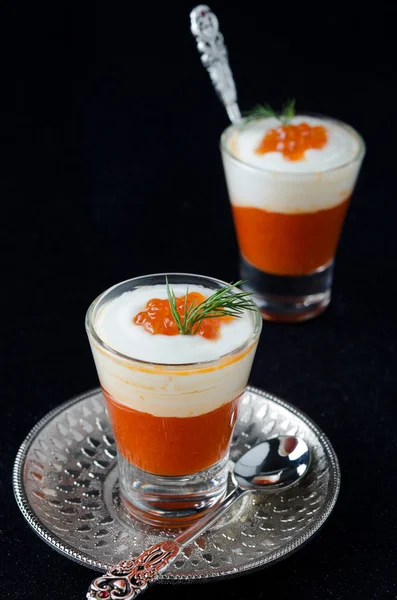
262,111
222,303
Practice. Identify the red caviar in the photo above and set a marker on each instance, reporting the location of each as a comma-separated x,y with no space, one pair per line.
293,140
157,317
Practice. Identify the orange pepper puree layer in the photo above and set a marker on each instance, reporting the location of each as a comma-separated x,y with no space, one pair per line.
157,317
172,446
293,140
289,244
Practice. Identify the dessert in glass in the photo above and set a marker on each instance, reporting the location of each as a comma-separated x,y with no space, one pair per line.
290,181
172,397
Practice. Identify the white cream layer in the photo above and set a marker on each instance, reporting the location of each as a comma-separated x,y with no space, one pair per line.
115,326
323,179
340,148
170,391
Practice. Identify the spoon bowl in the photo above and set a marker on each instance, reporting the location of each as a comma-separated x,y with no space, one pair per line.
271,465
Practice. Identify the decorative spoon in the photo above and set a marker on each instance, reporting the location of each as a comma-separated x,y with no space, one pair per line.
205,27
274,465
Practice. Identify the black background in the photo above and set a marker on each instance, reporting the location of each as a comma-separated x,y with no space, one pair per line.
119,174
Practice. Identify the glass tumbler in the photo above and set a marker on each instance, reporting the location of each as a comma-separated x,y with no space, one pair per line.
288,225
172,423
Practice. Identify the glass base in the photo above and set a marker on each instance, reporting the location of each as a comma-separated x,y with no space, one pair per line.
171,501
288,298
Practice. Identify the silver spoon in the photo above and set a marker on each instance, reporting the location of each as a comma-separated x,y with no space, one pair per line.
204,26
274,465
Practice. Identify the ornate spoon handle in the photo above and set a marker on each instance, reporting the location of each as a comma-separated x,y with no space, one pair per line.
205,27
130,577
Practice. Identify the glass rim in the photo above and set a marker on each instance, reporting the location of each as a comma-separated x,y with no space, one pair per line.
359,155
90,328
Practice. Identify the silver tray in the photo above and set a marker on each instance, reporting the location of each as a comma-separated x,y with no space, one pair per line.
65,483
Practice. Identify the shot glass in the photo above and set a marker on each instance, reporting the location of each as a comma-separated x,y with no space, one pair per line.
172,423
288,225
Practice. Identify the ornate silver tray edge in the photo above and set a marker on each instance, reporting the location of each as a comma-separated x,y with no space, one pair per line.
20,495
80,557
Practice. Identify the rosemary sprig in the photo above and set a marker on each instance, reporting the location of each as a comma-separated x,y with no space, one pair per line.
173,308
288,112
262,111
221,303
